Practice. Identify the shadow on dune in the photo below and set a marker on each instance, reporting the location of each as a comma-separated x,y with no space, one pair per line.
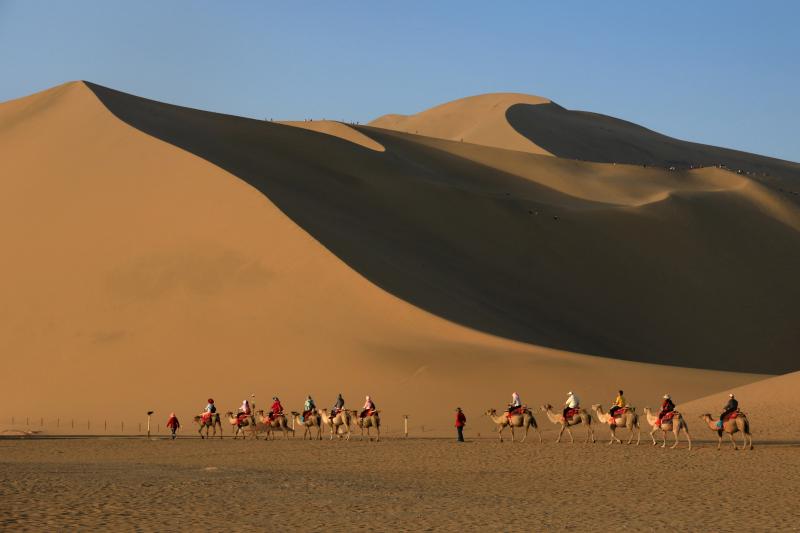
689,283
600,138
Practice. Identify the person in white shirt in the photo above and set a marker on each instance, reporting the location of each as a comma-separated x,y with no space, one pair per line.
515,404
573,402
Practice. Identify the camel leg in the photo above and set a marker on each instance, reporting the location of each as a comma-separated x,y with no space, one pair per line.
571,437
613,437
560,433
733,441
664,445
677,438
652,435
512,432
590,431
525,436
377,433
538,431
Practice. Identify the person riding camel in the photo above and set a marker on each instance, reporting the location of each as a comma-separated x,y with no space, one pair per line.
308,408
276,410
731,407
338,406
209,410
666,407
573,402
244,411
516,404
619,403
369,406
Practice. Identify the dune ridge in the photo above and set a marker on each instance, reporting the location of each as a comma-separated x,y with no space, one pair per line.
336,129
477,119
147,277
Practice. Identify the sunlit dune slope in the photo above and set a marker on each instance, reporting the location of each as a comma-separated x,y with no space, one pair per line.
139,276
337,129
691,268
768,405
476,119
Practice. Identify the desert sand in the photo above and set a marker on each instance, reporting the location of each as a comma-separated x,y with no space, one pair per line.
418,484
160,255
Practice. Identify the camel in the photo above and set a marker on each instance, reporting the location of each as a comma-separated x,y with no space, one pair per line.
313,420
676,424
731,426
526,420
629,420
279,422
239,426
370,421
212,423
583,417
338,424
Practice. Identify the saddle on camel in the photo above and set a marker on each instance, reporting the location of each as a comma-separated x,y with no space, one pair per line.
276,410
571,412
517,411
619,413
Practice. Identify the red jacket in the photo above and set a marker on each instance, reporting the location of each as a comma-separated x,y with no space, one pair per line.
173,422
277,408
461,419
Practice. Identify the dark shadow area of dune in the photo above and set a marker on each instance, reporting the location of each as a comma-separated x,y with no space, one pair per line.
703,281
593,137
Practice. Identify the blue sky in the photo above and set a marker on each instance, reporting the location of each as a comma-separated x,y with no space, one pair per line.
714,71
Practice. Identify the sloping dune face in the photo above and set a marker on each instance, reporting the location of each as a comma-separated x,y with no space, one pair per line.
691,268
336,129
476,119
767,403
595,137
140,276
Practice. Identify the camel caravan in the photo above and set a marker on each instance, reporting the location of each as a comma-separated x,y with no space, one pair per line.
341,423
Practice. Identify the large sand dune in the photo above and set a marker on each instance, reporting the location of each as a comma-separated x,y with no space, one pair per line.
176,254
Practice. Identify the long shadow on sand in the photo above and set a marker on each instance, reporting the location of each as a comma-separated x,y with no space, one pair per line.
505,255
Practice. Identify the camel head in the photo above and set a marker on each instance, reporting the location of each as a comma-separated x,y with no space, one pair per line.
197,418
546,407
705,416
295,413
229,414
490,412
596,406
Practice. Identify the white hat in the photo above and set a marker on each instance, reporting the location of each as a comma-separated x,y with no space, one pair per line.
666,396
569,393
730,395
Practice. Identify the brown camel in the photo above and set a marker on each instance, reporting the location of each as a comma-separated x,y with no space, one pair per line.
339,424
583,417
370,421
676,425
629,420
731,426
313,420
525,420
278,423
211,423
243,425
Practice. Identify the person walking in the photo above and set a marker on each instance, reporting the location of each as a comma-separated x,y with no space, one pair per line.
461,421
173,424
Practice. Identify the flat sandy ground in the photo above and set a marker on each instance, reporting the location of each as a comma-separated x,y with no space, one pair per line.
416,484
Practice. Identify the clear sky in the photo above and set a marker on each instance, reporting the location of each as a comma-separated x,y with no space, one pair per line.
724,72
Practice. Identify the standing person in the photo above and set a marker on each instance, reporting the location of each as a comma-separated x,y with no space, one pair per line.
619,403
461,421
173,424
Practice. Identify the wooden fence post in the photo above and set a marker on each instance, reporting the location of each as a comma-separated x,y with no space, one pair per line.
405,426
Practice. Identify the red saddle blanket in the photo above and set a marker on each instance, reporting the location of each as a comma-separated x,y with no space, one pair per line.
519,411
667,417
206,417
572,412
241,419
732,415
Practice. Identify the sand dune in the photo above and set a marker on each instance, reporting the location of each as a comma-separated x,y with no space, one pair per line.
337,129
476,119
641,264
769,404
177,254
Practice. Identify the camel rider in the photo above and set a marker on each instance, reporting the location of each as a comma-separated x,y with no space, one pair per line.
515,404
369,406
731,407
573,402
619,403
308,407
210,408
338,406
245,409
666,407
277,408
